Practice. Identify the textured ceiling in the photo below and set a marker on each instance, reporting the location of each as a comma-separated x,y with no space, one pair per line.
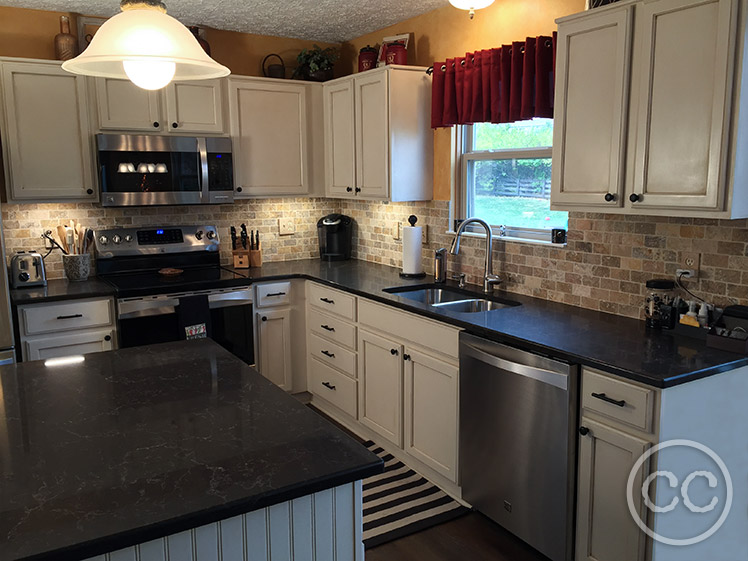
319,20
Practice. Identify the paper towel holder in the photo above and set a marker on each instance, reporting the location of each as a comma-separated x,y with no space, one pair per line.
412,219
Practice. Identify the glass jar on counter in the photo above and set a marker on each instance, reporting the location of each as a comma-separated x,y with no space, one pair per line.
660,292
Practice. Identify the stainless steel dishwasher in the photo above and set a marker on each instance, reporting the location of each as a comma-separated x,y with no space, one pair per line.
518,418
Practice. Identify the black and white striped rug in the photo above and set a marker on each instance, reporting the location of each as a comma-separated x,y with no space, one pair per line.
400,502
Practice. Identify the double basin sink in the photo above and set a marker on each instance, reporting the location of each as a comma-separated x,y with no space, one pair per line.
450,299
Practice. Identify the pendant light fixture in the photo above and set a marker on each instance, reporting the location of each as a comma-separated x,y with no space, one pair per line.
471,5
146,46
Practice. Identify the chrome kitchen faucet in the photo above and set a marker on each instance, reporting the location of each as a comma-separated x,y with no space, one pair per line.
489,279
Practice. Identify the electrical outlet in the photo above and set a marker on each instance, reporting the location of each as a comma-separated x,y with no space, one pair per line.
47,243
690,262
424,235
286,226
396,233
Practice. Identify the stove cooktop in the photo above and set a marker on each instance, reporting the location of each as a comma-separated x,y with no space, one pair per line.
151,283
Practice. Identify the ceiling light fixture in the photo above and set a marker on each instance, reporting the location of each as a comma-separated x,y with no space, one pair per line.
471,5
146,46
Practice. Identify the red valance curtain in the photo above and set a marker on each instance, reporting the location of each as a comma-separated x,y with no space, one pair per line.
511,83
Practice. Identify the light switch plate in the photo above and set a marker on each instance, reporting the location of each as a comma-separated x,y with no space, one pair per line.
286,226
396,233
424,234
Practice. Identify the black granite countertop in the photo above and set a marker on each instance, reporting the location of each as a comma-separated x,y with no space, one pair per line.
136,444
615,344
60,289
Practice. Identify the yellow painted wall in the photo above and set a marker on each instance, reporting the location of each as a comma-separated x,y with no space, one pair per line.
449,32
30,34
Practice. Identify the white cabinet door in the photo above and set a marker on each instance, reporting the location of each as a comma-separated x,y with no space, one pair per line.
195,107
269,133
76,343
605,529
685,84
380,385
46,137
123,106
372,135
340,164
274,346
592,81
431,397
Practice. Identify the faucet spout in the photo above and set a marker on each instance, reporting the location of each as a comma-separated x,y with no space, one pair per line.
489,279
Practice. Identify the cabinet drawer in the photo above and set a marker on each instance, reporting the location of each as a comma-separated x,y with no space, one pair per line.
78,314
333,328
625,402
333,354
439,337
333,386
273,294
333,301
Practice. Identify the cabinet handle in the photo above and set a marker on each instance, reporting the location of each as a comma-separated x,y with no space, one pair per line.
635,198
394,352
156,124
238,189
327,301
264,318
607,399
328,385
328,328
276,294
74,316
349,189
89,191
358,189
327,353
584,431
175,125
406,357
610,197
108,338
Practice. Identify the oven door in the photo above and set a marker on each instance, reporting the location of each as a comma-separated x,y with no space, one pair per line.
150,320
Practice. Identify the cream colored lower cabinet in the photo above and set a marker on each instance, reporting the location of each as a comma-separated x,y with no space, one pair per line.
274,346
431,404
74,343
381,385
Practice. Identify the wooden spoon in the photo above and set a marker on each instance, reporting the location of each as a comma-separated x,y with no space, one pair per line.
63,241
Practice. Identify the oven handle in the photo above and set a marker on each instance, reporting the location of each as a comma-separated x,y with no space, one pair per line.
141,311
164,306
230,299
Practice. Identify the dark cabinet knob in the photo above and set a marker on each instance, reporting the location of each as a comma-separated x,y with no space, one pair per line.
406,357
349,189
108,338
394,352
584,431
634,198
156,124
610,197
175,125
264,318
89,191
238,189
358,189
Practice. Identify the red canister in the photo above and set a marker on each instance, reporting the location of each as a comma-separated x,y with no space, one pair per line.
396,53
367,58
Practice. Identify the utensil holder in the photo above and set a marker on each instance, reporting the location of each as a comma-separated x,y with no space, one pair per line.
241,258
255,257
77,267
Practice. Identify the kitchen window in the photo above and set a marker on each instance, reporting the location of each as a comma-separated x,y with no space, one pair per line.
505,178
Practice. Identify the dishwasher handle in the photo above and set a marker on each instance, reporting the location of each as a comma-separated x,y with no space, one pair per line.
557,379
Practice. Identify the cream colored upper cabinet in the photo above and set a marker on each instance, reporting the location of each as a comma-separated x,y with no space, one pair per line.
340,162
592,80
386,114
123,106
181,107
46,137
684,88
269,133
195,107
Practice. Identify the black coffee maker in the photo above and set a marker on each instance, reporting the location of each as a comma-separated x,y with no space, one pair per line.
335,235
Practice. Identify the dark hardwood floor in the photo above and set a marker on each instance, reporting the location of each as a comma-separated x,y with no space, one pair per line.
469,538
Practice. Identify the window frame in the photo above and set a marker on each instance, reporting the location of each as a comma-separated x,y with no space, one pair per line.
464,155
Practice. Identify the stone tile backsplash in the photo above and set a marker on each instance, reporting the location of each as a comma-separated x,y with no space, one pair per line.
604,266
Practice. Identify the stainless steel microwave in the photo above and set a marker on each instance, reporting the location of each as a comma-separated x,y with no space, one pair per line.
141,170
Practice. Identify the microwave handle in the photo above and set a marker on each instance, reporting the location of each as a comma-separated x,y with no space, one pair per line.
204,176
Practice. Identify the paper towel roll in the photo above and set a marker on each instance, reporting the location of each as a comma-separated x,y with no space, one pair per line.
412,241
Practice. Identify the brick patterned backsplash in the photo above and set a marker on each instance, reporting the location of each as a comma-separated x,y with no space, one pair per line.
604,266
23,224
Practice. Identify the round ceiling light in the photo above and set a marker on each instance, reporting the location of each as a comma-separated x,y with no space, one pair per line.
148,47
471,5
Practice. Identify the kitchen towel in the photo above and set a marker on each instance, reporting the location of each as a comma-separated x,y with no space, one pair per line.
193,314
412,241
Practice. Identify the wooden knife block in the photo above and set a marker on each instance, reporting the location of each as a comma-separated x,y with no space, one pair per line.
255,257
241,258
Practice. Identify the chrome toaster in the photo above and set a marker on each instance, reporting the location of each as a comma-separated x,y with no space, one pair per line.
27,269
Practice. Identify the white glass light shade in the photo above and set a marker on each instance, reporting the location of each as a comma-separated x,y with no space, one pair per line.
148,47
471,4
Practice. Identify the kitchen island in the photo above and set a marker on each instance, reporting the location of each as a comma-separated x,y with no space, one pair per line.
173,451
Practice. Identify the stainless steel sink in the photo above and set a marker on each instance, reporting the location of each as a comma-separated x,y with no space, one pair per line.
450,299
